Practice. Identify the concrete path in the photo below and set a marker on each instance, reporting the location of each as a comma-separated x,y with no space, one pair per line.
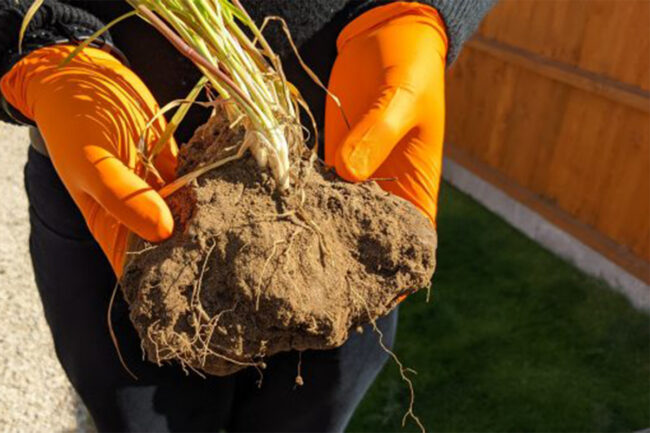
34,392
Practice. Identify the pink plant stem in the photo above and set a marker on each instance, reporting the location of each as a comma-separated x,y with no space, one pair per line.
190,53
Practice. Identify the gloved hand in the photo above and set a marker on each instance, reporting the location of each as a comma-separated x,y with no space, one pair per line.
389,77
91,114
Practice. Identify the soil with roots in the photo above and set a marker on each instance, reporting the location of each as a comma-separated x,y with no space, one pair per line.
250,272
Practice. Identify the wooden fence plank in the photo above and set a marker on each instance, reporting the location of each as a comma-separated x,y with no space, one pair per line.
552,99
625,94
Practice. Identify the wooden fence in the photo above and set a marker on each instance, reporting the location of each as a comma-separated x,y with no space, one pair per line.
550,102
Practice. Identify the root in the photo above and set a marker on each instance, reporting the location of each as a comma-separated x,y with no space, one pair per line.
305,67
214,322
113,336
241,194
299,379
191,352
261,280
324,249
380,179
142,251
154,342
197,372
402,370
302,219
290,242
268,260
181,349
196,294
274,216
259,371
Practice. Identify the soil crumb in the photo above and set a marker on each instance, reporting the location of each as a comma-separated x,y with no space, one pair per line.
250,272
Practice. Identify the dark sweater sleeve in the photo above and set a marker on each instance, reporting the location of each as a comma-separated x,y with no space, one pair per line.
326,18
461,18
54,22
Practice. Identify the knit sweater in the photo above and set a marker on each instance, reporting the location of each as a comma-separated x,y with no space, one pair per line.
314,25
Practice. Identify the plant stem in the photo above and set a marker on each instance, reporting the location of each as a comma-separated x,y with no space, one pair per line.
207,32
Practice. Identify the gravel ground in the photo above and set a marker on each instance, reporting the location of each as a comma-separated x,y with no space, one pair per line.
34,392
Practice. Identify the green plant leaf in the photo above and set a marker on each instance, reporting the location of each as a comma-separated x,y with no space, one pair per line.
26,20
177,118
94,37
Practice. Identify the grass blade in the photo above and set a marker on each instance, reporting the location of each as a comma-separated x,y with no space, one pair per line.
94,37
26,20
177,118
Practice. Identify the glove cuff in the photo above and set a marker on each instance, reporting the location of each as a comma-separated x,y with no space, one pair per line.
383,15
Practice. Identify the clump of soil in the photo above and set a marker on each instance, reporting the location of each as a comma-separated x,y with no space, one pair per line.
250,272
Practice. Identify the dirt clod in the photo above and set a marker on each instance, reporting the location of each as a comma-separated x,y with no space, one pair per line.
250,272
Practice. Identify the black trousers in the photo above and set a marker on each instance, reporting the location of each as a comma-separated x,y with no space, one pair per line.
75,283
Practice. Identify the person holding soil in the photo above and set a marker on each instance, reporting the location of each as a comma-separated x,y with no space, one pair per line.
384,60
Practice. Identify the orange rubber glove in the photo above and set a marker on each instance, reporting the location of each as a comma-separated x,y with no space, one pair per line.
389,77
91,114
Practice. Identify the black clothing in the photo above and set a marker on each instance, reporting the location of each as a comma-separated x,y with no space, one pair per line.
314,24
75,282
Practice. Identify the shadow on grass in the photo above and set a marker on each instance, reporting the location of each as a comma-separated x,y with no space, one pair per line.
514,339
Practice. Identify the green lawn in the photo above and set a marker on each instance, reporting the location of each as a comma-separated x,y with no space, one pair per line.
514,339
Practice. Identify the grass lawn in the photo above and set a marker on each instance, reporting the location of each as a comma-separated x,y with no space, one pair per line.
514,339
